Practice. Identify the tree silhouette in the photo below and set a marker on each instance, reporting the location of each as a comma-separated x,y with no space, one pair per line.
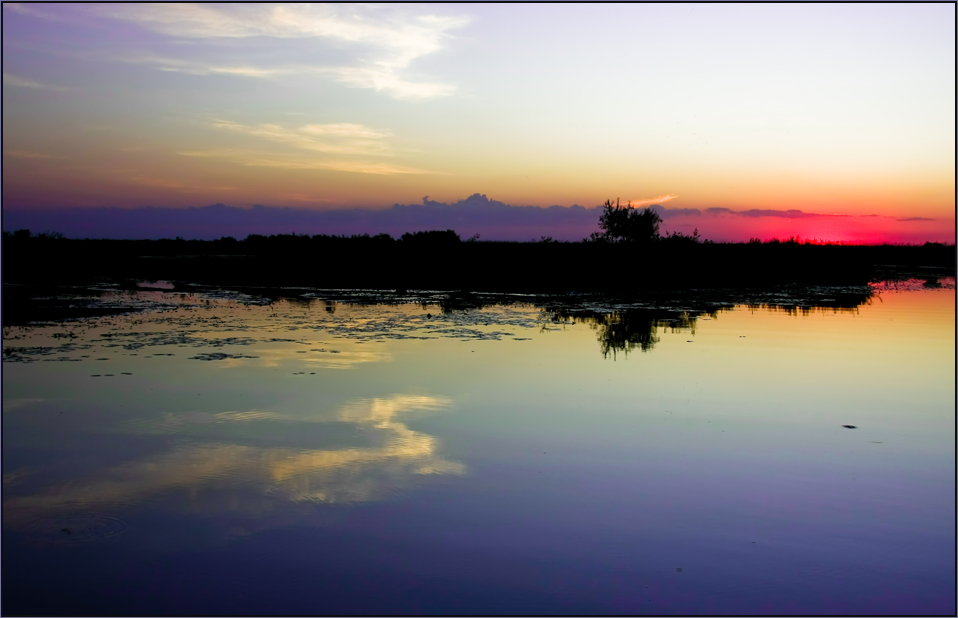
627,224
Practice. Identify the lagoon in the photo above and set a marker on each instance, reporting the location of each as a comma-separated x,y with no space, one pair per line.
206,451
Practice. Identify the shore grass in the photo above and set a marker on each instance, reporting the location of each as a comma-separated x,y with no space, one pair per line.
441,261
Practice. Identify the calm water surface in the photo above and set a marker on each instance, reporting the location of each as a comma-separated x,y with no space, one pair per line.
218,454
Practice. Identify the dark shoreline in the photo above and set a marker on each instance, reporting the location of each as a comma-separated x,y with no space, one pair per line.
36,305
622,324
441,261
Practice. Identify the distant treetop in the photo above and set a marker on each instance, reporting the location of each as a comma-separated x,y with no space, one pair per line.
627,224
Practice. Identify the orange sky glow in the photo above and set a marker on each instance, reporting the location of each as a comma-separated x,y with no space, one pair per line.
838,110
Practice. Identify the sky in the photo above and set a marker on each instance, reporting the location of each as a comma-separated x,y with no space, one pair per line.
825,121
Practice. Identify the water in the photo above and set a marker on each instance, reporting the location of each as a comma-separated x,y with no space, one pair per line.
219,453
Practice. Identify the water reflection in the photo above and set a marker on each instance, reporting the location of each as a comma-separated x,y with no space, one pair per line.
836,302
221,461
622,325
392,458
622,329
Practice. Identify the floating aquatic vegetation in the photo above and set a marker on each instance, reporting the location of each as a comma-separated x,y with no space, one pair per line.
215,356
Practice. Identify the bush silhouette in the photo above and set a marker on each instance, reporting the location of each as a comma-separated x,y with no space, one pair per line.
627,224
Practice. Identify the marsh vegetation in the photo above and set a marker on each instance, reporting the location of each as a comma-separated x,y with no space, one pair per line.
627,257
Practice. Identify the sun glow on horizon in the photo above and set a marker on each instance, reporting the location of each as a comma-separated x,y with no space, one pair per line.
333,107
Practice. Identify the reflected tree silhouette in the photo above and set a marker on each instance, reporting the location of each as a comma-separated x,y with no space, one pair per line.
462,301
839,302
624,330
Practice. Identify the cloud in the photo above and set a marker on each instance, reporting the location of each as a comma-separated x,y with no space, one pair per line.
357,167
177,185
337,138
476,214
663,212
175,65
34,9
756,212
343,130
378,412
382,79
386,42
21,82
903,219
392,457
409,36
668,213
25,154
189,66
655,200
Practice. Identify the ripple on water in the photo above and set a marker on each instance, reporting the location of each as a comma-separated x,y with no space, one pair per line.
71,528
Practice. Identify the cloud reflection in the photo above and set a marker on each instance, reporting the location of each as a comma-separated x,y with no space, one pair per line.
265,477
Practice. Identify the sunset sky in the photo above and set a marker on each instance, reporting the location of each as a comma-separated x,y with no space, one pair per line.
845,112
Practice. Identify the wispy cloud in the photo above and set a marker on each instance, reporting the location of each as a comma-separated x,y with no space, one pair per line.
357,167
191,67
22,82
655,200
337,139
309,162
245,71
902,219
667,213
26,154
340,138
387,41
386,79
35,9
176,185
221,153
768,212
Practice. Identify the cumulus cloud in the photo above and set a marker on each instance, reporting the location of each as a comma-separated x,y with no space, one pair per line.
476,214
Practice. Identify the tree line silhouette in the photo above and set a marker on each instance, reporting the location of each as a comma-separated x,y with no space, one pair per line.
628,255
